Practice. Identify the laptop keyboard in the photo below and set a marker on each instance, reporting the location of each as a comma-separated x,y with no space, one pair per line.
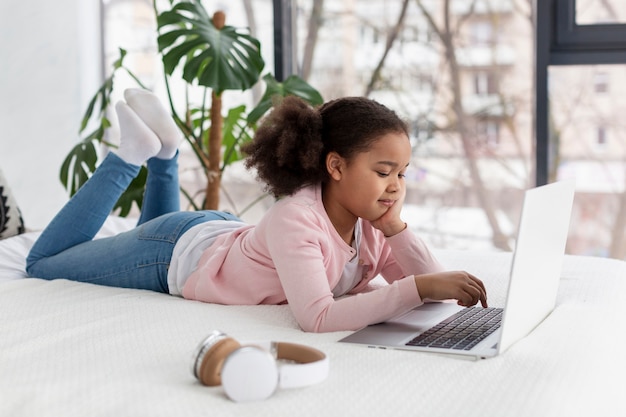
461,331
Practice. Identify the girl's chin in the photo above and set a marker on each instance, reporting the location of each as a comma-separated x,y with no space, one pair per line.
375,214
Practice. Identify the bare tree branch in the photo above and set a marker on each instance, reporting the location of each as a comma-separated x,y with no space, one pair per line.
315,22
390,40
500,240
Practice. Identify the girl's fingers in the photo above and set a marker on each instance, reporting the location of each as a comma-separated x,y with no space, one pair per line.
481,288
472,294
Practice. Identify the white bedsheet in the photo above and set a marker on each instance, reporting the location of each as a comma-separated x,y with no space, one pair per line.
73,349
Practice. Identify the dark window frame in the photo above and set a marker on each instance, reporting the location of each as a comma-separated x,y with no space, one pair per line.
284,45
559,40
575,44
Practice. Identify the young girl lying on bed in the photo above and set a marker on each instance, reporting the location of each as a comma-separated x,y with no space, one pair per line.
339,170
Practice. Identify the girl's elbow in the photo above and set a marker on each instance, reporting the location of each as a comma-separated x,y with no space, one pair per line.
310,328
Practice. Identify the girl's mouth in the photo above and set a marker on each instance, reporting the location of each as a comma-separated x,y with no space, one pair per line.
387,203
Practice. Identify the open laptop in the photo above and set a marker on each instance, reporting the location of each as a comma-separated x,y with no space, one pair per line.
533,285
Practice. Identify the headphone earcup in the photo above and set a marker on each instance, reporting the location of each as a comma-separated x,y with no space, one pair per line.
249,374
210,369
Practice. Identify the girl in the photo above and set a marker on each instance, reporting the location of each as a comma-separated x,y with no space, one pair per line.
339,172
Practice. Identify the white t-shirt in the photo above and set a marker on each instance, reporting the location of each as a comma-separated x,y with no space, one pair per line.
353,271
195,241
189,249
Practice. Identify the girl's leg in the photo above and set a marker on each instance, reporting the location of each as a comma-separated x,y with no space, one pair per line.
135,259
84,214
138,258
81,218
162,194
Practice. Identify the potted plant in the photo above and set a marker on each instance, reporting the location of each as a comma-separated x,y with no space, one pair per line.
212,55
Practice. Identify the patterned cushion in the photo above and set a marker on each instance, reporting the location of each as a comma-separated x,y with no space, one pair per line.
11,222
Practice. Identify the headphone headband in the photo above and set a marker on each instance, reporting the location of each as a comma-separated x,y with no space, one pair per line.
311,365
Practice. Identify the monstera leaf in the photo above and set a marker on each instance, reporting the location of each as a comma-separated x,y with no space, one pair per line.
292,86
221,59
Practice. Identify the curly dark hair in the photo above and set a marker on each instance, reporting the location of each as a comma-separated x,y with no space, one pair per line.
290,146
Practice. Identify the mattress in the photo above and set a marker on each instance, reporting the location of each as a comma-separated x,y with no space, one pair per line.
75,349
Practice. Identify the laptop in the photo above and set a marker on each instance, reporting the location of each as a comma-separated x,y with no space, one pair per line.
531,295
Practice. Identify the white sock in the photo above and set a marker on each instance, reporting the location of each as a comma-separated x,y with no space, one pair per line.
137,142
151,111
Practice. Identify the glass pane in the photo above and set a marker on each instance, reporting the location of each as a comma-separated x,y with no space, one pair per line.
470,117
597,12
589,133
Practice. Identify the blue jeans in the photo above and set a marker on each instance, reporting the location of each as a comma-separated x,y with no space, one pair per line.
138,258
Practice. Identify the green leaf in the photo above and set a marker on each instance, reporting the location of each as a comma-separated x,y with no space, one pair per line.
119,63
224,59
78,165
200,122
236,132
292,86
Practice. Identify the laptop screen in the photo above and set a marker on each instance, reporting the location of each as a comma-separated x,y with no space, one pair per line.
538,258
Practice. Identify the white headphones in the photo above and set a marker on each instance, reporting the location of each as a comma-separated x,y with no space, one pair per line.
251,372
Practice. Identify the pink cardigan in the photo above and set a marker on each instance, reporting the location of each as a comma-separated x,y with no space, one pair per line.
295,255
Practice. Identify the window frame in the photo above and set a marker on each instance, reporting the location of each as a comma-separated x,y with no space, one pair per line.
586,44
559,40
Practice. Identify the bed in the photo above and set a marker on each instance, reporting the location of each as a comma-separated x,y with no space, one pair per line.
74,349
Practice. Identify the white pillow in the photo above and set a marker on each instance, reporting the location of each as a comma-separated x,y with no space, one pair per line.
13,252
11,222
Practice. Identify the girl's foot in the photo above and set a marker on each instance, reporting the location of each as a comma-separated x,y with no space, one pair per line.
137,142
151,111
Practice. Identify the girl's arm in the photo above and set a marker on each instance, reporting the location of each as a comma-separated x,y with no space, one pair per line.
409,255
307,261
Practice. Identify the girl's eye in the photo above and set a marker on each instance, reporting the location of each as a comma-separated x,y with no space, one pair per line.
386,174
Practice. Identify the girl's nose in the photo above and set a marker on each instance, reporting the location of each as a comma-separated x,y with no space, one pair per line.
394,184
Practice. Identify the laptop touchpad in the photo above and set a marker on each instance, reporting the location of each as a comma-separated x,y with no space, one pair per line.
426,315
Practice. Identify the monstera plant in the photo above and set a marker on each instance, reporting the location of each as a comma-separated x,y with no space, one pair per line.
207,54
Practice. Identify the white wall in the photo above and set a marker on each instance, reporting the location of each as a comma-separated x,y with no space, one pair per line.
49,67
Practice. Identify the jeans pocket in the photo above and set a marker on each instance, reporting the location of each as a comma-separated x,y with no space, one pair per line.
169,227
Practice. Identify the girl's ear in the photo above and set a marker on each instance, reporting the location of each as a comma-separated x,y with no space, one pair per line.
334,165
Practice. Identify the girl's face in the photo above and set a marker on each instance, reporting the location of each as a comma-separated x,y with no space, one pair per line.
370,183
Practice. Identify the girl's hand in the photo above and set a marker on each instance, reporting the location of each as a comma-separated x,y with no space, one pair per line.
459,285
390,223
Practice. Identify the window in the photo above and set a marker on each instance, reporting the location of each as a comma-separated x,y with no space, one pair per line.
485,83
420,83
475,104
481,33
599,12
581,135
601,82
488,133
601,136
